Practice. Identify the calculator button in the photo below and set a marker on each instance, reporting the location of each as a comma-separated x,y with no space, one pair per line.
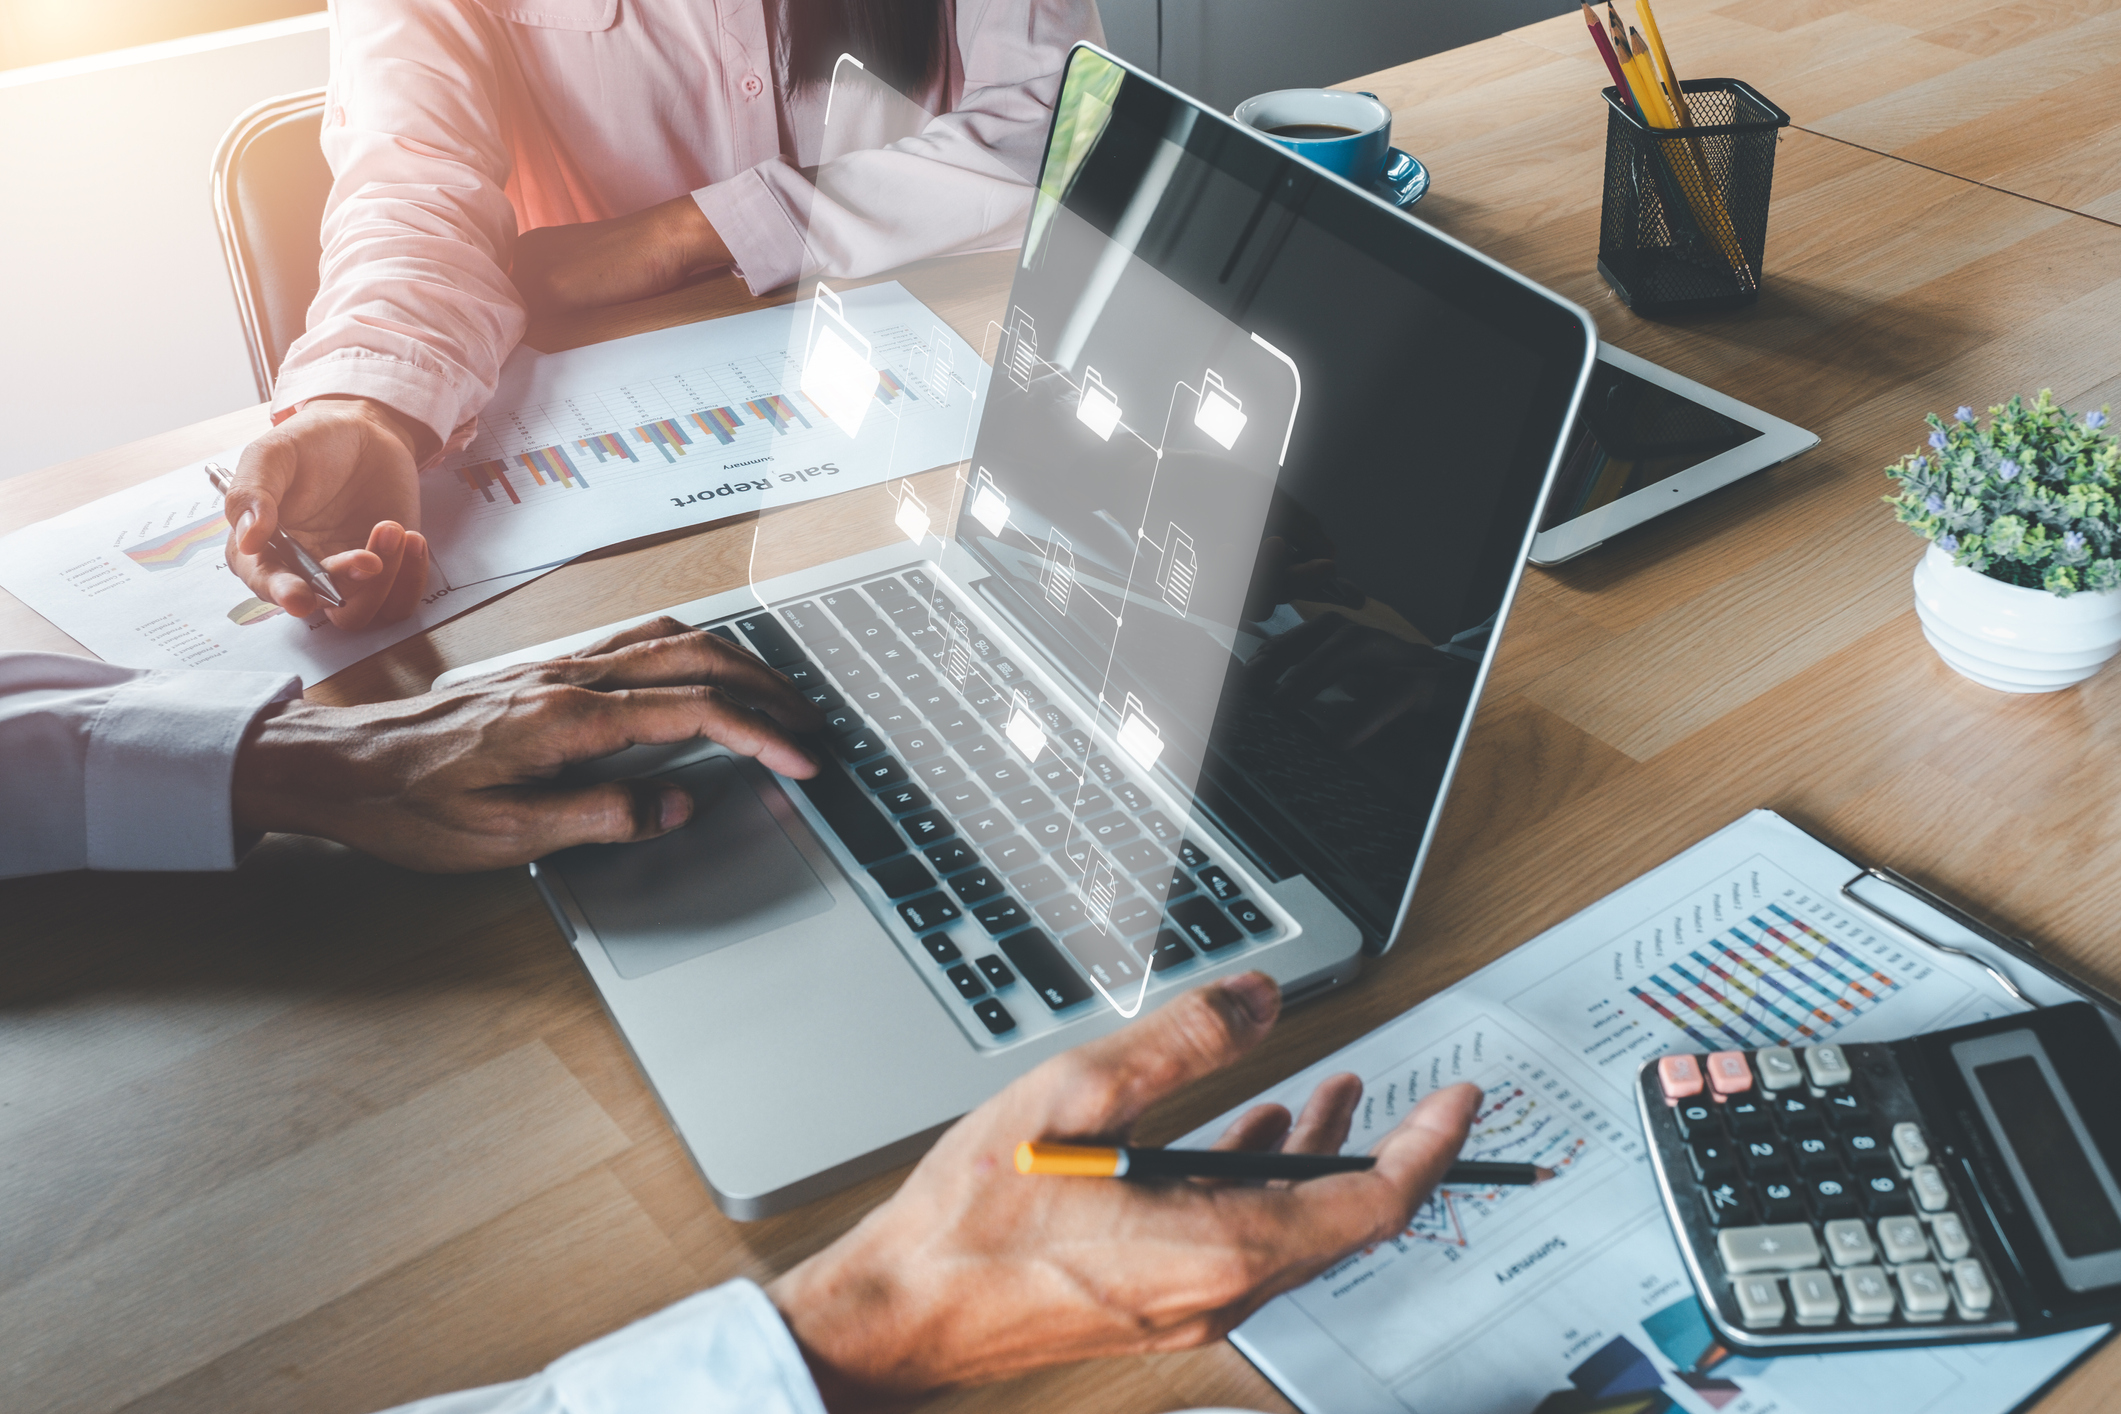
1747,1117
1816,1299
1778,1068
1950,1236
1781,1201
1697,1121
1833,1196
1923,1294
1763,1154
1784,1247
1930,1191
1848,1242
1970,1286
1714,1160
1798,1114
1815,1154
1679,1077
1902,1240
1864,1147
1759,1301
1828,1066
1729,1074
1870,1295
1727,1204
1844,1107
1909,1145
1884,1194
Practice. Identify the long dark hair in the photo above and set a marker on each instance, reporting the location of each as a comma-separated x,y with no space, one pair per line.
899,41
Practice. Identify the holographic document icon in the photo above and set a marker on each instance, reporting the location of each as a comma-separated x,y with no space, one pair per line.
1098,410
957,663
912,516
1181,568
1220,414
1101,890
1023,730
940,364
1058,579
1138,736
1022,357
837,374
989,506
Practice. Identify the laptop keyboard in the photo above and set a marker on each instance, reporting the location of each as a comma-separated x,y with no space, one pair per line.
1015,877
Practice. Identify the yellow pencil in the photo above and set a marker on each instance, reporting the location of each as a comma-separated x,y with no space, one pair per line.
1726,230
1693,179
1664,62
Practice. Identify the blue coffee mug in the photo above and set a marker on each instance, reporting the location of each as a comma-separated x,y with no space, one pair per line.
1357,153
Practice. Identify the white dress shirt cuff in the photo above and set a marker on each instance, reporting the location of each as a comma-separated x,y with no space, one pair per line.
161,766
428,396
725,1348
761,233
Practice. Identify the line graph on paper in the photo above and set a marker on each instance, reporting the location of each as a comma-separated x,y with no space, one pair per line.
1514,1125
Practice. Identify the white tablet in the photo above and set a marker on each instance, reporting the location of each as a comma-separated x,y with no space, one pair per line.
1648,440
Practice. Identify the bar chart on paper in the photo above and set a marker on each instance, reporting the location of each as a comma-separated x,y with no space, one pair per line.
596,445
1753,959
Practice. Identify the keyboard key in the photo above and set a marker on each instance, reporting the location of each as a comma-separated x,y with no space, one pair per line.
1075,854
1778,1068
995,1016
1970,1286
922,585
1077,741
1727,1204
925,828
1697,1121
1784,1247
851,674
1815,1298
1729,1073
1883,1193
1679,1077
1164,885
1832,1196
1027,802
1056,775
1848,1243
883,707
772,641
902,876
938,773
1218,883
975,884
1191,855
941,948
858,745
1131,795
884,771
1011,853
1086,802
1138,856
1950,1235
918,744
1062,913
1908,1144
843,721
1167,950
1780,1201
985,698
910,678
962,798
849,606
981,752
927,640
1133,915
1000,915
1037,883
928,911
1055,720
951,856
1923,1294
1760,1303
1009,675
966,981
1106,770
1112,829
1928,1185
1204,925
900,800
820,695
1104,957
852,816
1041,965
1004,776
1251,917
1049,832
1902,1240
888,592
1158,827
984,826
1870,1295
995,971
957,725
1828,1067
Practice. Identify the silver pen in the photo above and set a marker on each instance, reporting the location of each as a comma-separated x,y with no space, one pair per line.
284,546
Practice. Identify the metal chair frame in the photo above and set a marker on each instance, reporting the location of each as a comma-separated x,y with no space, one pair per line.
243,263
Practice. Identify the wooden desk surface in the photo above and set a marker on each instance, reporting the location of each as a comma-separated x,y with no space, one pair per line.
328,1135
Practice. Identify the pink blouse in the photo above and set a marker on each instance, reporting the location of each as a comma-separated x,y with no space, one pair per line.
451,125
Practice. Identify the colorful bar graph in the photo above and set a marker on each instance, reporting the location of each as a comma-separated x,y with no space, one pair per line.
176,548
553,463
1772,983
889,389
776,410
666,437
481,478
722,423
607,445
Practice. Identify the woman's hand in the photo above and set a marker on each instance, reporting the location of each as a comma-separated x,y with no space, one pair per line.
593,263
972,1271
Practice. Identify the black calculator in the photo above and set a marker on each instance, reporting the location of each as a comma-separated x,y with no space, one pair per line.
1951,1187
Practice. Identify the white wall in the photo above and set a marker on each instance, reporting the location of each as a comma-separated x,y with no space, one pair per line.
116,320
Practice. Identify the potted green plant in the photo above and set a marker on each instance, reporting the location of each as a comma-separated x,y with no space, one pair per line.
2020,588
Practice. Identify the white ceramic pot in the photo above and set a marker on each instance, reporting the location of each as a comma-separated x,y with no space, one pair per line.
2012,639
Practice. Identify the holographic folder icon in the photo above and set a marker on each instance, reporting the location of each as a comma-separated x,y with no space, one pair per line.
912,516
1023,731
1098,410
989,506
1138,736
837,374
1220,414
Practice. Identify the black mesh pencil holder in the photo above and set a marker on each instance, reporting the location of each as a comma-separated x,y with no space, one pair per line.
1686,209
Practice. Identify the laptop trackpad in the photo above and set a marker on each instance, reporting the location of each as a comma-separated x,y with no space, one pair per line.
731,874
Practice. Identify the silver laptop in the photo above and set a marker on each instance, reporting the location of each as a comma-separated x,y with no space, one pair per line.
1173,692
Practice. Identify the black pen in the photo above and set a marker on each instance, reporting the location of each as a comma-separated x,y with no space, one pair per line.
290,553
1095,1161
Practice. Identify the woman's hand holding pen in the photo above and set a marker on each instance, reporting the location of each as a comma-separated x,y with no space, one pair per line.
973,1272
341,476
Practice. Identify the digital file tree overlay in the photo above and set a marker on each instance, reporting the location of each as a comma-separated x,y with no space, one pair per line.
2028,499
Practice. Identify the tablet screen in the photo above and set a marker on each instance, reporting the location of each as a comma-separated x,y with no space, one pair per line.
1631,434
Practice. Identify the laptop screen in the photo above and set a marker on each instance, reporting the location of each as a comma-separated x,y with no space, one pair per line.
1258,467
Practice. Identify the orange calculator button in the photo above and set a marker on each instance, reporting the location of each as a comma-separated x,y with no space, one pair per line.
1729,1074
1680,1076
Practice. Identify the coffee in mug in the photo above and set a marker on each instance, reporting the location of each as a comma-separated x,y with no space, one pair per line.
1348,133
